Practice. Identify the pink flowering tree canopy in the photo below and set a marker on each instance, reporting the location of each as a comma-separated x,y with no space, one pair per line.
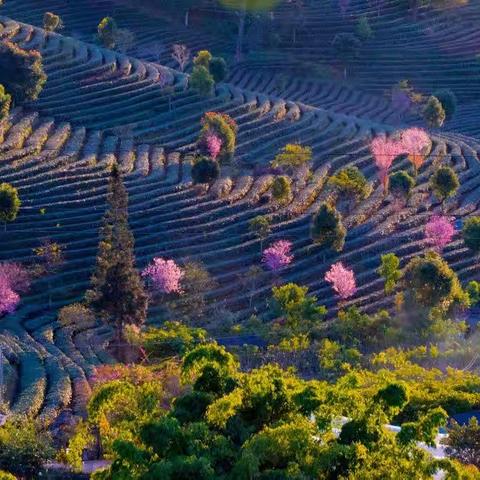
415,143
14,280
439,232
214,145
164,275
278,255
342,280
384,152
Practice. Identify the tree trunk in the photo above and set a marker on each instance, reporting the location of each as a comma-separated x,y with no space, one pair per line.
119,341
187,15
241,32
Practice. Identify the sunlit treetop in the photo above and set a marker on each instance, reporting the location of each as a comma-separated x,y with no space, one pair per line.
250,5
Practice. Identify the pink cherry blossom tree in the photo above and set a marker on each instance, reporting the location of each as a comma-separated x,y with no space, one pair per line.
16,275
8,298
164,275
278,255
214,144
342,280
415,142
384,152
439,232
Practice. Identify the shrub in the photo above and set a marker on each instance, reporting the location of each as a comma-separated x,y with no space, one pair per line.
471,233
473,290
218,68
9,203
51,22
203,58
225,128
444,183
76,315
327,228
205,170
433,113
282,189
21,72
351,183
401,184
5,102
107,30
363,29
292,155
201,80
448,101
24,448
430,281
389,270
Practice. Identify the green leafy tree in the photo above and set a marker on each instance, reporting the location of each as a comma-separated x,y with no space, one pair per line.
218,68
448,101
390,271
352,184
433,113
282,189
107,31
5,103
444,183
327,228
203,58
463,442
347,47
205,170
21,72
401,184
9,203
299,309
117,288
363,29
473,290
222,126
471,233
261,227
201,80
292,156
51,22
430,281
24,447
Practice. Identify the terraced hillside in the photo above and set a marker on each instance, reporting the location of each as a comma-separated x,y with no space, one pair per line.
101,106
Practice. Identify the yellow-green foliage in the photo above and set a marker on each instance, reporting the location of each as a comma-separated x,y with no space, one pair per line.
292,155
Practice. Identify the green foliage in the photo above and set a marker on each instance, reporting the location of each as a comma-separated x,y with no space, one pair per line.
218,68
117,289
448,101
24,447
363,29
299,309
327,228
463,442
205,170
9,203
351,182
444,183
389,270
292,155
347,47
433,113
260,226
201,81
21,72
172,339
282,189
401,184
471,233
473,290
5,103
431,282
7,476
107,30
356,329
51,22
225,128
203,59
